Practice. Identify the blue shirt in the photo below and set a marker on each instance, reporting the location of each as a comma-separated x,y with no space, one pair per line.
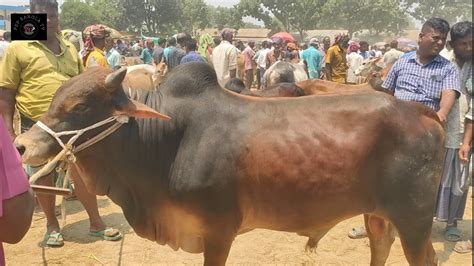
413,81
113,58
146,56
166,53
191,57
408,54
312,57
365,54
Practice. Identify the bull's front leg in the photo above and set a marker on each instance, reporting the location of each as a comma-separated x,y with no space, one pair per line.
217,247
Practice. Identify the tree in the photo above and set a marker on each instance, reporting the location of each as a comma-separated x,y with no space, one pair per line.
451,10
111,13
156,17
299,15
225,17
195,15
77,15
374,15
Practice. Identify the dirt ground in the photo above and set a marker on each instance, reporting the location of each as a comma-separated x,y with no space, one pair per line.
255,247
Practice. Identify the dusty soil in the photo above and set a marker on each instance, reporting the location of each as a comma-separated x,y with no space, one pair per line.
256,247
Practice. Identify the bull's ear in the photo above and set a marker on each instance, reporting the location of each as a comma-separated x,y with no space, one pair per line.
114,80
139,110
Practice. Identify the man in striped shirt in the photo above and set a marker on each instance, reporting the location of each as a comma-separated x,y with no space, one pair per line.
425,76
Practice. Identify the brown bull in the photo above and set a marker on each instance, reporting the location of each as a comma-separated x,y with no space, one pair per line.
145,76
226,164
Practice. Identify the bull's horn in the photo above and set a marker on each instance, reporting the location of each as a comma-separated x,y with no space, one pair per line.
114,80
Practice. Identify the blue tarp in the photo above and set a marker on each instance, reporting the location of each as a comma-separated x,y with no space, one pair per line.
13,8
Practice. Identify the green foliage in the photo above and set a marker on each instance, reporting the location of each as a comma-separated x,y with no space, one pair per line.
287,16
166,17
77,15
225,17
374,15
154,17
451,10
195,15
111,13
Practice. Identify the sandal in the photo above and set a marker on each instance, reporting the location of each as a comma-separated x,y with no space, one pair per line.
357,232
108,234
452,234
53,239
463,247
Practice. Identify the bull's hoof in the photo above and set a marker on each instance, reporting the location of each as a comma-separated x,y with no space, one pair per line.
311,245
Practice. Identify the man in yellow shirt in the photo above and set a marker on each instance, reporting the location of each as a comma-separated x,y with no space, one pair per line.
336,62
94,46
32,71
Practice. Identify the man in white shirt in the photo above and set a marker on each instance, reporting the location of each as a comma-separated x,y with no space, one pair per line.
262,60
224,58
354,60
393,54
4,43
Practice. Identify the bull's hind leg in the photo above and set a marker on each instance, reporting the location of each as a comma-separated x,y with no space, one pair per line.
381,234
415,235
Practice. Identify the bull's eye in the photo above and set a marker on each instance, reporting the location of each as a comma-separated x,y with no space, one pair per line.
81,108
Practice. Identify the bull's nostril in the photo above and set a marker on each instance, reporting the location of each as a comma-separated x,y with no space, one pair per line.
20,148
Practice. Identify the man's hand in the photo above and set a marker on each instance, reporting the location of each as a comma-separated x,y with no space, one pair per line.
442,116
448,97
464,152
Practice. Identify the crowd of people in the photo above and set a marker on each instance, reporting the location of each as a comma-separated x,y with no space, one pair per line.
33,71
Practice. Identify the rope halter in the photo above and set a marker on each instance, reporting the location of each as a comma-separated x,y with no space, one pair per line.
68,151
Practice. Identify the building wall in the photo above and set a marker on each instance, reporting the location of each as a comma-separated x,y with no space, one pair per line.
5,14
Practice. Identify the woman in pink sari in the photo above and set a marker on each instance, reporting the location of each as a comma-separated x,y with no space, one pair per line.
16,198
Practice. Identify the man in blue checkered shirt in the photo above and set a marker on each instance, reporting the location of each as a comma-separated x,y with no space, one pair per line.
425,76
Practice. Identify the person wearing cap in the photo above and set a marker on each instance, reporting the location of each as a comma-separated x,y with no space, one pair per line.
354,61
224,58
336,62
146,55
249,53
32,72
94,46
312,59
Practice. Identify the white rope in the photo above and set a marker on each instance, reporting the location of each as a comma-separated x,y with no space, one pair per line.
67,153
77,133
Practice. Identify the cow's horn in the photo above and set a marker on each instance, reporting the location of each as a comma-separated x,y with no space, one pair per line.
114,80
